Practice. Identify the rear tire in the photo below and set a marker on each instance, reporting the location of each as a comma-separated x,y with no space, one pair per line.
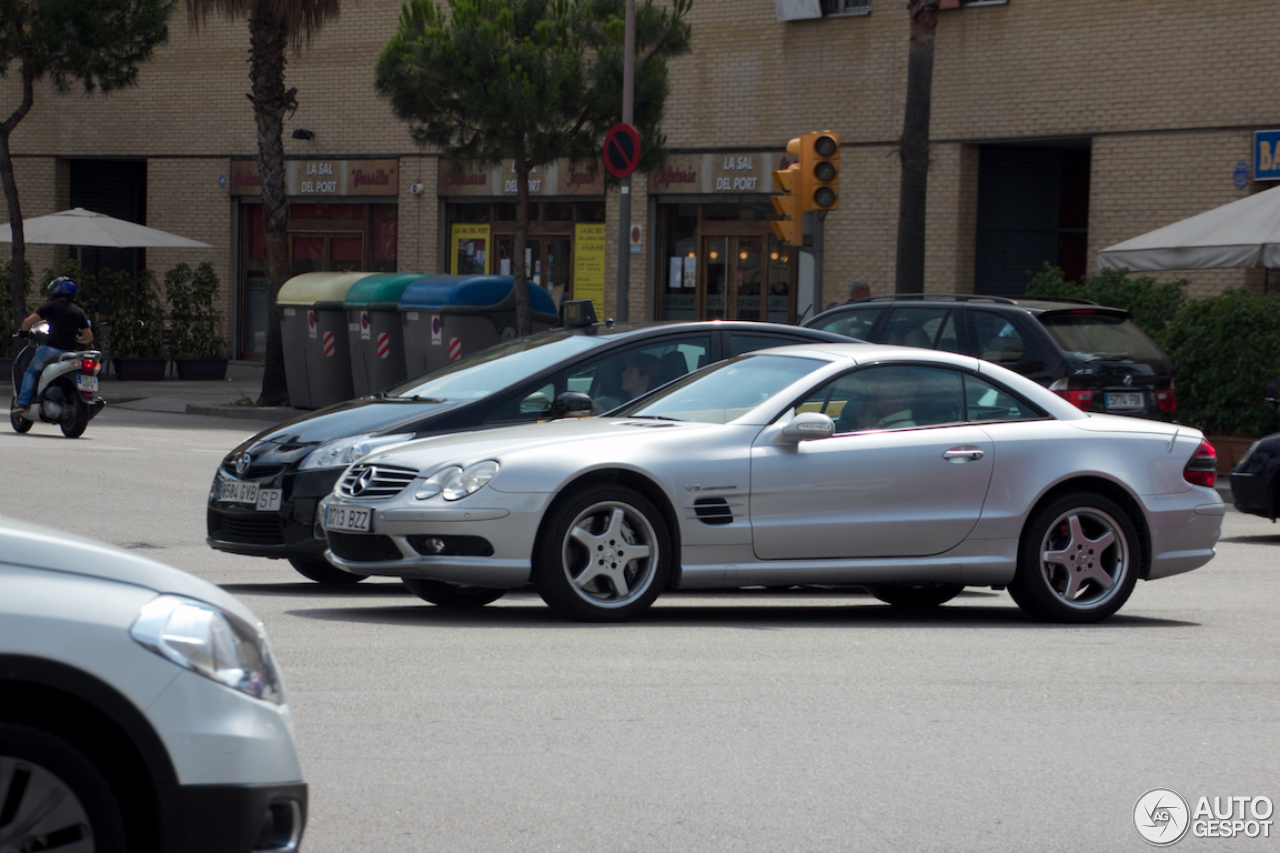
452,595
75,427
321,571
1078,560
917,596
603,556
51,785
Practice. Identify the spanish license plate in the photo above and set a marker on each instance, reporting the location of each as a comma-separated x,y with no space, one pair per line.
86,383
1128,400
348,518
263,500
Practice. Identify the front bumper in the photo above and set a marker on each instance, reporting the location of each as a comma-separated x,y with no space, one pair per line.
488,545
232,818
290,531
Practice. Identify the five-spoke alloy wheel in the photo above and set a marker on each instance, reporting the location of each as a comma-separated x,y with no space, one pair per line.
604,555
1078,560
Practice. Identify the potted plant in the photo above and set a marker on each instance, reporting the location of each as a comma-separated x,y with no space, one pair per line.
194,343
9,353
135,333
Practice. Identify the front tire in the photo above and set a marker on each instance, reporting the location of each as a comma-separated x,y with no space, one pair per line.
917,596
452,595
1078,560
16,420
603,556
321,571
53,796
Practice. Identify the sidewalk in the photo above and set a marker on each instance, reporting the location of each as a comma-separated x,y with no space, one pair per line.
232,398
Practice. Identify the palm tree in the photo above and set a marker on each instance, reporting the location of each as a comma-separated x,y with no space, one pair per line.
913,190
274,25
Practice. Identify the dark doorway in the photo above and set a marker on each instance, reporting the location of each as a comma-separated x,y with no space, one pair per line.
116,188
1033,209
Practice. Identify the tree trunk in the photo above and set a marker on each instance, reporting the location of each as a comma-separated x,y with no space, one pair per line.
524,314
913,189
18,248
268,41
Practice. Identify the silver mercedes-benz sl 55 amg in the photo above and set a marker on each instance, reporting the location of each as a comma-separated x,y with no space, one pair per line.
911,472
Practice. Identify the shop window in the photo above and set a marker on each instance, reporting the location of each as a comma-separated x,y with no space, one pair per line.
385,237
591,211
845,7
800,10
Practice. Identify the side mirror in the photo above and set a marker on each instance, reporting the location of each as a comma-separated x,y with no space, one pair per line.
807,426
571,404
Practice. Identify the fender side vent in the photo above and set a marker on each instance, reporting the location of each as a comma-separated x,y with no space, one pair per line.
713,511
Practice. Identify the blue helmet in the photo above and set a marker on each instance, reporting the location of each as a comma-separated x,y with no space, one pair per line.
63,286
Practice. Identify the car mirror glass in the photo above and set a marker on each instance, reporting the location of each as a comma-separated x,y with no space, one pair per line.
571,404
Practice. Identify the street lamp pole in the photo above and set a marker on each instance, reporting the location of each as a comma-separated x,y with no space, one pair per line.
624,207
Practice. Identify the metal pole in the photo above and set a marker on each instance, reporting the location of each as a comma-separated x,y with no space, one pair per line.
624,206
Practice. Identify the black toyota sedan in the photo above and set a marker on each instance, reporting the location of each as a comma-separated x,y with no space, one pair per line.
265,493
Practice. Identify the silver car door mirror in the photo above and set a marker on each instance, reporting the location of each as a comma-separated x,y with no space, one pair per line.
807,426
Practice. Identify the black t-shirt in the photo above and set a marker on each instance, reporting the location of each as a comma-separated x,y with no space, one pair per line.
66,319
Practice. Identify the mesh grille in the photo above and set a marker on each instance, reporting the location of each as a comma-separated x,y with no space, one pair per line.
259,528
375,482
363,548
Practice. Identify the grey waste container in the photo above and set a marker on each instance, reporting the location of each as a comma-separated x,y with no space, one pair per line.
448,316
313,320
375,331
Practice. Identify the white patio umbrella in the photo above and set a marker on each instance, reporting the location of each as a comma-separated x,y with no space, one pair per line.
80,227
1244,233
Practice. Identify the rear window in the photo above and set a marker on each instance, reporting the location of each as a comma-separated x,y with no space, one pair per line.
1101,336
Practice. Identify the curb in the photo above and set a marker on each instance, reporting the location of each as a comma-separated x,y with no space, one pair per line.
248,413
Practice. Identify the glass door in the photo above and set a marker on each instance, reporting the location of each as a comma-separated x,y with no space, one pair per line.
715,278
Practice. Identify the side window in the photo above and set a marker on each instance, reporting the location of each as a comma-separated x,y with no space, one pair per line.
987,403
625,375
854,323
917,327
890,397
996,339
526,407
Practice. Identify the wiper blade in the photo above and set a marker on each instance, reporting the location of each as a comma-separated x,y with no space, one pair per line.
651,418
416,399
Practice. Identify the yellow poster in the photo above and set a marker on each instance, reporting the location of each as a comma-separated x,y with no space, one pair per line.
470,255
588,264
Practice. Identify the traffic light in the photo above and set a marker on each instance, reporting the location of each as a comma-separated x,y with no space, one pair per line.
819,171
791,228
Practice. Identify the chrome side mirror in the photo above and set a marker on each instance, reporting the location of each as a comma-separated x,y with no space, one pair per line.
807,426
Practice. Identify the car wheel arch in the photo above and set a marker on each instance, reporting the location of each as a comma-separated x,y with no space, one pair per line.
1108,489
96,719
634,480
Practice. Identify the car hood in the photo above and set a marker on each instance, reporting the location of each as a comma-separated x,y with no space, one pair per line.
45,549
556,446
298,437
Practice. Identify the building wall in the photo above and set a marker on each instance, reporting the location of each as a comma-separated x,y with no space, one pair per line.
1168,91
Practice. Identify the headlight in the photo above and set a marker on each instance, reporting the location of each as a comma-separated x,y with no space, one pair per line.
344,451
209,641
456,483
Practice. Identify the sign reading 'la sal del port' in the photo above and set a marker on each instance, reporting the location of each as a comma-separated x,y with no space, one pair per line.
323,177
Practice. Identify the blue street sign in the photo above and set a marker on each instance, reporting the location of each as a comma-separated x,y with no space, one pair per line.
1266,155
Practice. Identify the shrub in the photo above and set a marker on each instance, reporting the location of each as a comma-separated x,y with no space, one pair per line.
1226,362
136,316
195,324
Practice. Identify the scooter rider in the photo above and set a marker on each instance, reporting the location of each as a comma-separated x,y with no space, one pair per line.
68,326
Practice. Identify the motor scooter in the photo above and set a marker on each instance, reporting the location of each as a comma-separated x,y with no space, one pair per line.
67,393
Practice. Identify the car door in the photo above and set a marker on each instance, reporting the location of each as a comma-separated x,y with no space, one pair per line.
905,475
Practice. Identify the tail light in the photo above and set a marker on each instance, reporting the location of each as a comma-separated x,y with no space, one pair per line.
1168,402
1202,469
1082,400
89,365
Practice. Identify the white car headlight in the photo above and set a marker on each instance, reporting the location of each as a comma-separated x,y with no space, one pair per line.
456,483
209,641
344,451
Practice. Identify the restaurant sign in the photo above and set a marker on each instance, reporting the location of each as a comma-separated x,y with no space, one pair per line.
718,173
551,179
322,178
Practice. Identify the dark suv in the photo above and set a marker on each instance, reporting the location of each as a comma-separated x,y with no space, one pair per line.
1092,355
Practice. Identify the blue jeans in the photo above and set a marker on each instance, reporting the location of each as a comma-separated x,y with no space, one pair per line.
44,355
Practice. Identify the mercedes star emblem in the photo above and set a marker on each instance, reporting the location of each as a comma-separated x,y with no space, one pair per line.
362,480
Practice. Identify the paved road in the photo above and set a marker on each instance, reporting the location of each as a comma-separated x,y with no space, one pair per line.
744,722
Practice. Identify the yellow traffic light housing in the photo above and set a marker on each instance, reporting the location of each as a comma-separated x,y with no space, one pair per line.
819,170
791,228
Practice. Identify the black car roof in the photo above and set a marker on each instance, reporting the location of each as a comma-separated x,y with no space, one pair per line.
1034,305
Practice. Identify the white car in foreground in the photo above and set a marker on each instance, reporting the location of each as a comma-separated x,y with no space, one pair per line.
140,708
913,472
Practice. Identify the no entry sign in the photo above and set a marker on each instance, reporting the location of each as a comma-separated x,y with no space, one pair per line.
621,150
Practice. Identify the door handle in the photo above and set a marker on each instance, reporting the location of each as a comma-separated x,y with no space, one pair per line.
963,454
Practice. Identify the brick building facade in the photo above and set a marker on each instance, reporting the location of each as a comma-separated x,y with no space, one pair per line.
1059,127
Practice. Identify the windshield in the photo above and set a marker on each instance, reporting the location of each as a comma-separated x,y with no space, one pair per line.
496,368
725,391
1101,337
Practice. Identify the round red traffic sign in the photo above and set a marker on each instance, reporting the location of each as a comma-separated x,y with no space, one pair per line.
621,150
